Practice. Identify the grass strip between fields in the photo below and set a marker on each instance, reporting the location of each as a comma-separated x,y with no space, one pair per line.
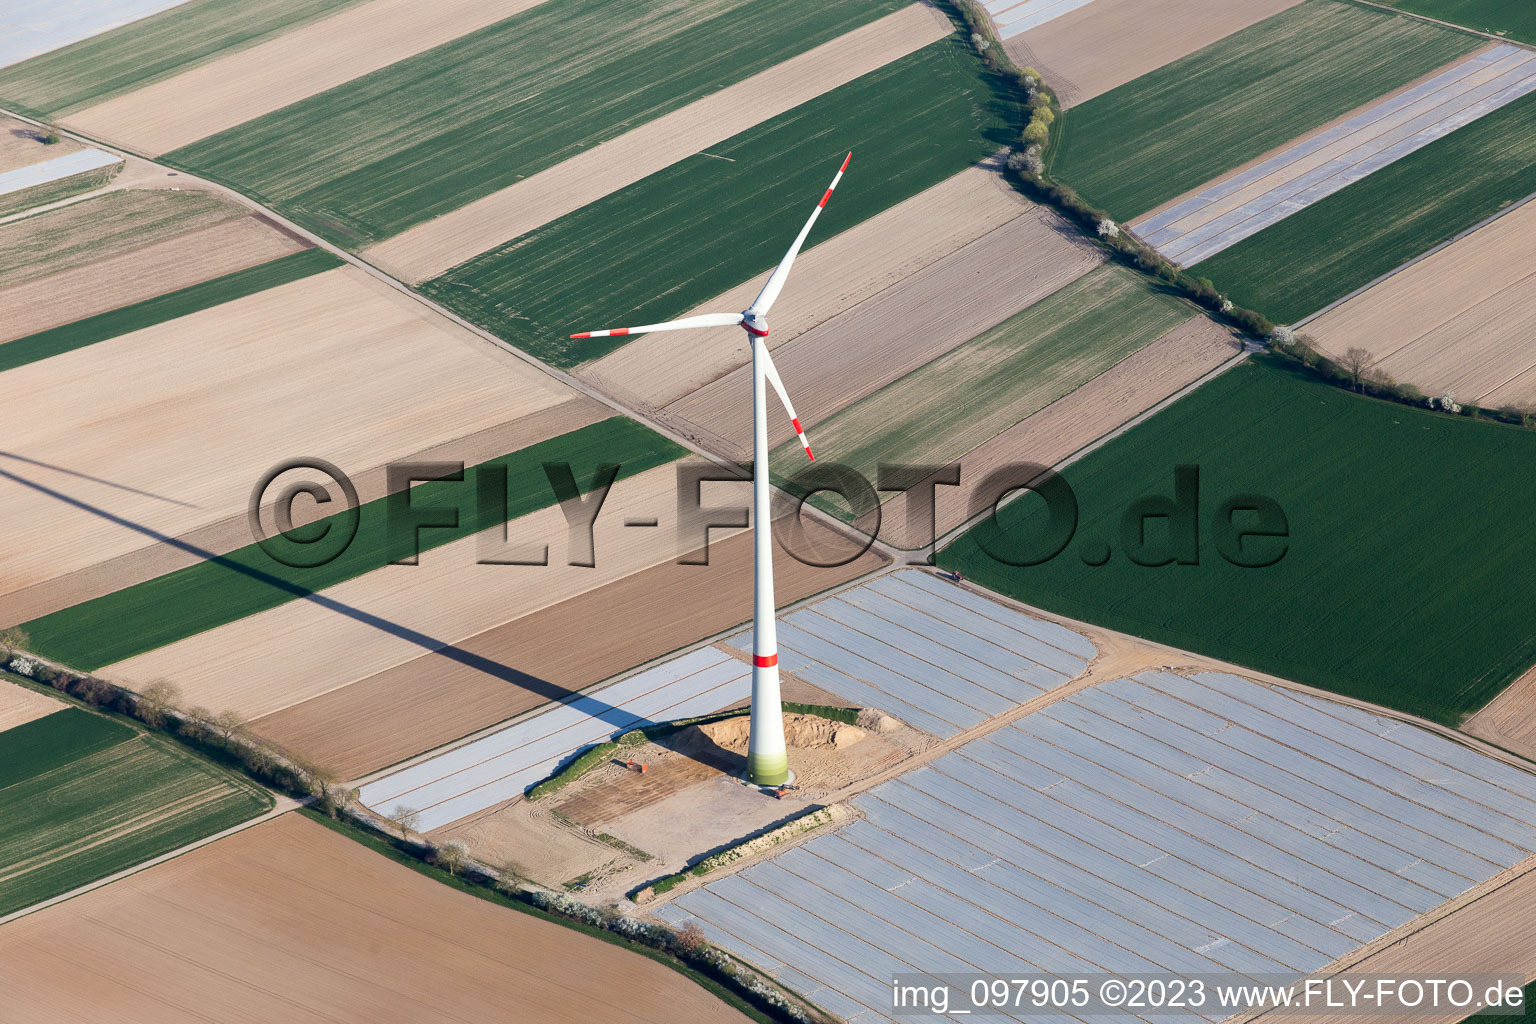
179,303
148,50
1405,579
661,246
1173,130
429,134
228,587
84,796
1296,267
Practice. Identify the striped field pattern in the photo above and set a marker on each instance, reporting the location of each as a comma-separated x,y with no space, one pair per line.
1202,825
1247,203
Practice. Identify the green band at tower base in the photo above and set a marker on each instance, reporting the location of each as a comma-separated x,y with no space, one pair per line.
768,769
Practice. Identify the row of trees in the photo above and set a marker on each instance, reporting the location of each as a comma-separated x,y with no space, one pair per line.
223,735
1026,168
1359,371
1356,369
227,738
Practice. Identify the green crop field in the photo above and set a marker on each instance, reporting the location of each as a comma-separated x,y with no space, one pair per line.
1298,266
965,397
1168,132
165,307
144,51
426,135
228,587
83,796
1405,579
656,249
1515,19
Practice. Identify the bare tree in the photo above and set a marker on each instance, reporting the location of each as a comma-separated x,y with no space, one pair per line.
199,719
1356,362
13,640
229,724
157,700
452,855
405,819
690,939
508,880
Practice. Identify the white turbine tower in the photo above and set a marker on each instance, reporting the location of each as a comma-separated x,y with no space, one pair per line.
767,758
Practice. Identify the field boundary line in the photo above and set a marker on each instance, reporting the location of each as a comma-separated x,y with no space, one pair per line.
1434,915
618,677
505,347
953,535
1426,254
1445,24
281,805
1473,743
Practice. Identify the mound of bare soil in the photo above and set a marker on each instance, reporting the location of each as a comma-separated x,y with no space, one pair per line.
801,731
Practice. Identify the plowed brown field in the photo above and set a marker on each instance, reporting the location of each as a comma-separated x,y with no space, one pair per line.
831,277
1462,320
543,656
288,921
165,430
139,274
905,326
1109,42
1110,400
233,89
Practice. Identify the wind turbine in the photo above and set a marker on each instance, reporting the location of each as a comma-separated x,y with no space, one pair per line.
767,758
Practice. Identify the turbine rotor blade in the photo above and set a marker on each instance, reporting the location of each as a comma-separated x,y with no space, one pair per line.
781,272
707,320
772,373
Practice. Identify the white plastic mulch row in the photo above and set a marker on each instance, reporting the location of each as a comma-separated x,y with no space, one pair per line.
1245,204
933,654
1014,16
494,768
1201,825
31,27
52,170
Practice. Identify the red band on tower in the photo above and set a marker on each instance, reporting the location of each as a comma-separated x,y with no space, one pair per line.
765,661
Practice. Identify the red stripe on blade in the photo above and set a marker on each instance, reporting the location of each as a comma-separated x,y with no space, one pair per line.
843,168
765,661
618,331
583,334
825,198
796,423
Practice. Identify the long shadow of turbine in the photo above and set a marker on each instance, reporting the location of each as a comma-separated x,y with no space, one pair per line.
596,707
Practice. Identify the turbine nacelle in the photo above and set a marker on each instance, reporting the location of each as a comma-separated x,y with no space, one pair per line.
756,324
